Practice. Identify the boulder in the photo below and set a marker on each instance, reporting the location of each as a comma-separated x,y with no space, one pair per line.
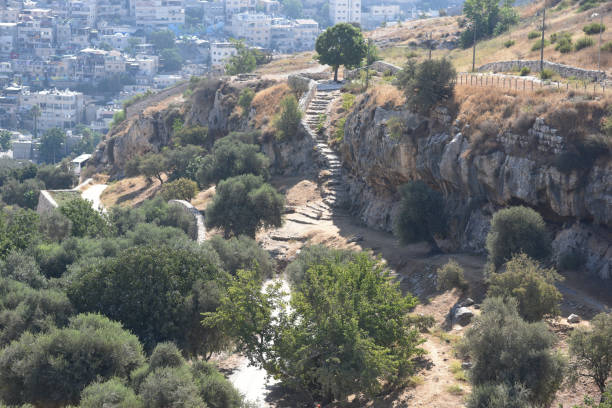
463,316
573,318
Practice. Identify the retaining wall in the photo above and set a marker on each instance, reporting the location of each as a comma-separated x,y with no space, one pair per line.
378,66
155,98
534,65
200,229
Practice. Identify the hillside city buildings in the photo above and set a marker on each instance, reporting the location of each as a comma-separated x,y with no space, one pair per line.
71,63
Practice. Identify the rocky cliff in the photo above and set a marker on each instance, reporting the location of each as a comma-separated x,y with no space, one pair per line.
513,167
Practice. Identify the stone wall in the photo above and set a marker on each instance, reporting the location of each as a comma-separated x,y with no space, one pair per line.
534,65
378,66
45,202
199,232
155,98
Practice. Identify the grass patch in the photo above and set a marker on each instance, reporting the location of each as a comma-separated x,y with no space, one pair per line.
547,73
594,28
583,42
446,336
534,34
538,44
454,389
348,100
458,373
509,43
415,380
62,197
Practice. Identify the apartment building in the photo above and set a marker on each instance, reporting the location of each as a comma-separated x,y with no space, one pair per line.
9,15
214,12
220,53
305,35
159,13
375,15
8,38
83,12
62,109
253,28
238,6
36,36
345,11
293,35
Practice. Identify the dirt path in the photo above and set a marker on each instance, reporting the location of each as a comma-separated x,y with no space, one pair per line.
93,194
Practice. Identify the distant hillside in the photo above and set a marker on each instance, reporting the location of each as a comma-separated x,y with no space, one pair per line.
399,42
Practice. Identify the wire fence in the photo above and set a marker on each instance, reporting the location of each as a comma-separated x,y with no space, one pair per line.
530,84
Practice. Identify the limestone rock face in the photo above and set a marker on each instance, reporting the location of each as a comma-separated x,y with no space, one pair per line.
476,183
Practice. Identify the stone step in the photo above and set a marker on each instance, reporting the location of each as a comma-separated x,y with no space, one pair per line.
299,220
318,206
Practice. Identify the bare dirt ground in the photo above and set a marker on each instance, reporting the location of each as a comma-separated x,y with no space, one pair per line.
129,191
438,383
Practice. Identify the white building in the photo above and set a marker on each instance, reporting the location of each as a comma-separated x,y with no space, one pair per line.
375,15
8,37
9,15
61,109
306,32
253,28
220,53
345,11
159,13
237,6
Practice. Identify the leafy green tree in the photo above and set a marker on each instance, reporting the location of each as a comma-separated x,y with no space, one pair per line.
242,253
181,189
35,113
52,145
591,350
313,255
244,61
421,215
162,39
504,349
5,140
346,329
153,165
245,99
192,135
54,225
183,161
171,60
243,205
517,230
85,220
51,369
289,118
427,83
23,268
24,194
531,285
231,157
157,292
18,230
487,18
109,394
25,309
342,44
56,177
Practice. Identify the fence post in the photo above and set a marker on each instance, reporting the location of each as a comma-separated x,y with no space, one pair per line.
524,85
532,84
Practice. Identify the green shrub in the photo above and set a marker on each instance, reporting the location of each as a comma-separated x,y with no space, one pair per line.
397,127
245,99
181,189
191,135
52,369
339,132
509,43
85,220
525,71
583,42
427,83
594,28
450,276
547,73
348,99
231,157
538,44
110,394
243,205
564,45
499,395
517,230
531,285
242,252
607,46
289,119
504,349
315,255
534,34
421,215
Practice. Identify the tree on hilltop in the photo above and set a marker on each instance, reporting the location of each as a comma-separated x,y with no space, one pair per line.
341,44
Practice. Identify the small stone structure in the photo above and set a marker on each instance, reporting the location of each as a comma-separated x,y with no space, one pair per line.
200,228
378,66
565,71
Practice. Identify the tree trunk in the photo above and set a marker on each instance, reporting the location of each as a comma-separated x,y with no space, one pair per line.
336,74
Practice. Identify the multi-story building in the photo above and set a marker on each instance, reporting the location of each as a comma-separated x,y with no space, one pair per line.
159,13
345,11
114,63
214,12
220,53
36,36
237,6
62,109
306,32
253,28
375,15
83,12
8,38
293,35
9,15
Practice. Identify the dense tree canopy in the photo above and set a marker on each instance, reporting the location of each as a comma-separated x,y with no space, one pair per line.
243,62
52,145
243,205
346,329
342,44
427,83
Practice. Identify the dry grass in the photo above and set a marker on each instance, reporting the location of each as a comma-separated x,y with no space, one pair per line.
490,113
294,62
568,20
266,103
201,200
129,192
386,95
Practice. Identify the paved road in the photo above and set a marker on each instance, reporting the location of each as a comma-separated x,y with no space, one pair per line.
93,194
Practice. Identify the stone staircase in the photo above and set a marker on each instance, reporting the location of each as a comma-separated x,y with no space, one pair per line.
330,175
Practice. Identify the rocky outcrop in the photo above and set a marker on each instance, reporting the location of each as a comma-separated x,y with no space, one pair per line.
476,183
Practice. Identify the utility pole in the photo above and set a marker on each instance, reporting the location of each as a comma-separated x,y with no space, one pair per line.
474,25
368,63
429,42
542,45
